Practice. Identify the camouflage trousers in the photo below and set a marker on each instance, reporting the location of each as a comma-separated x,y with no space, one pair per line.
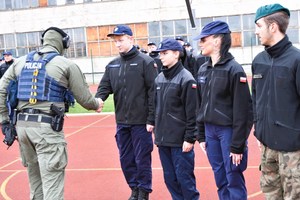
280,174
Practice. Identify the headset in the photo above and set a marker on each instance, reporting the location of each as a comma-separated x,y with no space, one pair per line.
65,40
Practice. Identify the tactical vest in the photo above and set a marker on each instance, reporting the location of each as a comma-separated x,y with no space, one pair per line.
34,84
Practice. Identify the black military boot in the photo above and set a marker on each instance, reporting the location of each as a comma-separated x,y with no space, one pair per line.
134,193
143,195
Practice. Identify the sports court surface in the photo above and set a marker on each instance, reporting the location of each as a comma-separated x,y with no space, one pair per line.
94,173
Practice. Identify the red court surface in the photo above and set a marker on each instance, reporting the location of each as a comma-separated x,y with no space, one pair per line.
94,173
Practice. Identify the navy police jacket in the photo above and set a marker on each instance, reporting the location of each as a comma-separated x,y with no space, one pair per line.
175,107
276,96
225,100
130,77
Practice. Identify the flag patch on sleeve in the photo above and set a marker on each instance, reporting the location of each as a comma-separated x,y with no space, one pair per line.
243,79
194,85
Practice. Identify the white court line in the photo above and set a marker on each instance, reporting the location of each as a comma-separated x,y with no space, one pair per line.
5,182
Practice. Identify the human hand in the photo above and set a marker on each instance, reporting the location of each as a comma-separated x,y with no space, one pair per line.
203,147
101,104
186,147
236,158
149,128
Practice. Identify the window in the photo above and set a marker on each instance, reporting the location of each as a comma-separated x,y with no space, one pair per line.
21,40
180,27
248,28
78,45
224,19
294,19
8,4
20,43
2,44
249,38
2,5
9,40
205,21
18,4
248,22
70,2
167,28
234,23
293,34
52,2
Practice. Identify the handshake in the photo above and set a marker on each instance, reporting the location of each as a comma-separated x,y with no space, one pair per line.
101,104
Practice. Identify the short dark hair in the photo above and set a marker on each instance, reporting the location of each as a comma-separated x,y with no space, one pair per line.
225,44
280,18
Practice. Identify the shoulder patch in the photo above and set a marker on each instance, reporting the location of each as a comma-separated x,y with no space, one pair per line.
243,79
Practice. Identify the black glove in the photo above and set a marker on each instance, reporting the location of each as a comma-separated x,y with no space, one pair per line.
10,133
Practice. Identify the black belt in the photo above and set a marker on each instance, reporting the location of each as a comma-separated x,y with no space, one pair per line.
34,111
34,118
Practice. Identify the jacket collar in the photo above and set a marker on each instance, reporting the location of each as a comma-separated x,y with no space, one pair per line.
227,57
279,48
173,71
130,54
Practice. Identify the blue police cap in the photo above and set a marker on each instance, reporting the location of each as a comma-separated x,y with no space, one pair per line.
179,38
169,44
121,30
7,53
151,43
212,28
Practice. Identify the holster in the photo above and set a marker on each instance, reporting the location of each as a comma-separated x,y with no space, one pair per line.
57,123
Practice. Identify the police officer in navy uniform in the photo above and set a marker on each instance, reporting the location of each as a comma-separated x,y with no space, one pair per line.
175,122
153,54
130,77
8,60
225,115
44,78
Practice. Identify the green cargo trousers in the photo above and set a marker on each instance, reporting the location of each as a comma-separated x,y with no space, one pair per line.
43,152
280,174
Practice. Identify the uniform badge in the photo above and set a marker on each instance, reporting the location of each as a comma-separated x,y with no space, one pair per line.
257,76
243,79
202,79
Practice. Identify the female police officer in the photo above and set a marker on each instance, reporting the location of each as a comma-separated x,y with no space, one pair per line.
225,114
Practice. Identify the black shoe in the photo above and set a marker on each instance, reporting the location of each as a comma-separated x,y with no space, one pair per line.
143,195
134,193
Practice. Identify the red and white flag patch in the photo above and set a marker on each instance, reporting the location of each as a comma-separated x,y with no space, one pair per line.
243,79
194,85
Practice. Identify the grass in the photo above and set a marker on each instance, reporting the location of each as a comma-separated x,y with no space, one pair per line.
108,107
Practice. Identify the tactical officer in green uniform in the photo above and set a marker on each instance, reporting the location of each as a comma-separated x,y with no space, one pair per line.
46,82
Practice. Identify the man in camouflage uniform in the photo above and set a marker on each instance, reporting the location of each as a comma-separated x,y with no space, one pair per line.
42,147
276,91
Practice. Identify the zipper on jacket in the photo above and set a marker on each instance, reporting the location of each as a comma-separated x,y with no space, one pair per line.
268,93
208,93
125,92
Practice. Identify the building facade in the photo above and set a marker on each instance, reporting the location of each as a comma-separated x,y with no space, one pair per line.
89,21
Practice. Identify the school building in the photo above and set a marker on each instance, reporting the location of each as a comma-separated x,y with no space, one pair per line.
89,21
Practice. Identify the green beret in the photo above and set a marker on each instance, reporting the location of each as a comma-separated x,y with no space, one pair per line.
270,9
